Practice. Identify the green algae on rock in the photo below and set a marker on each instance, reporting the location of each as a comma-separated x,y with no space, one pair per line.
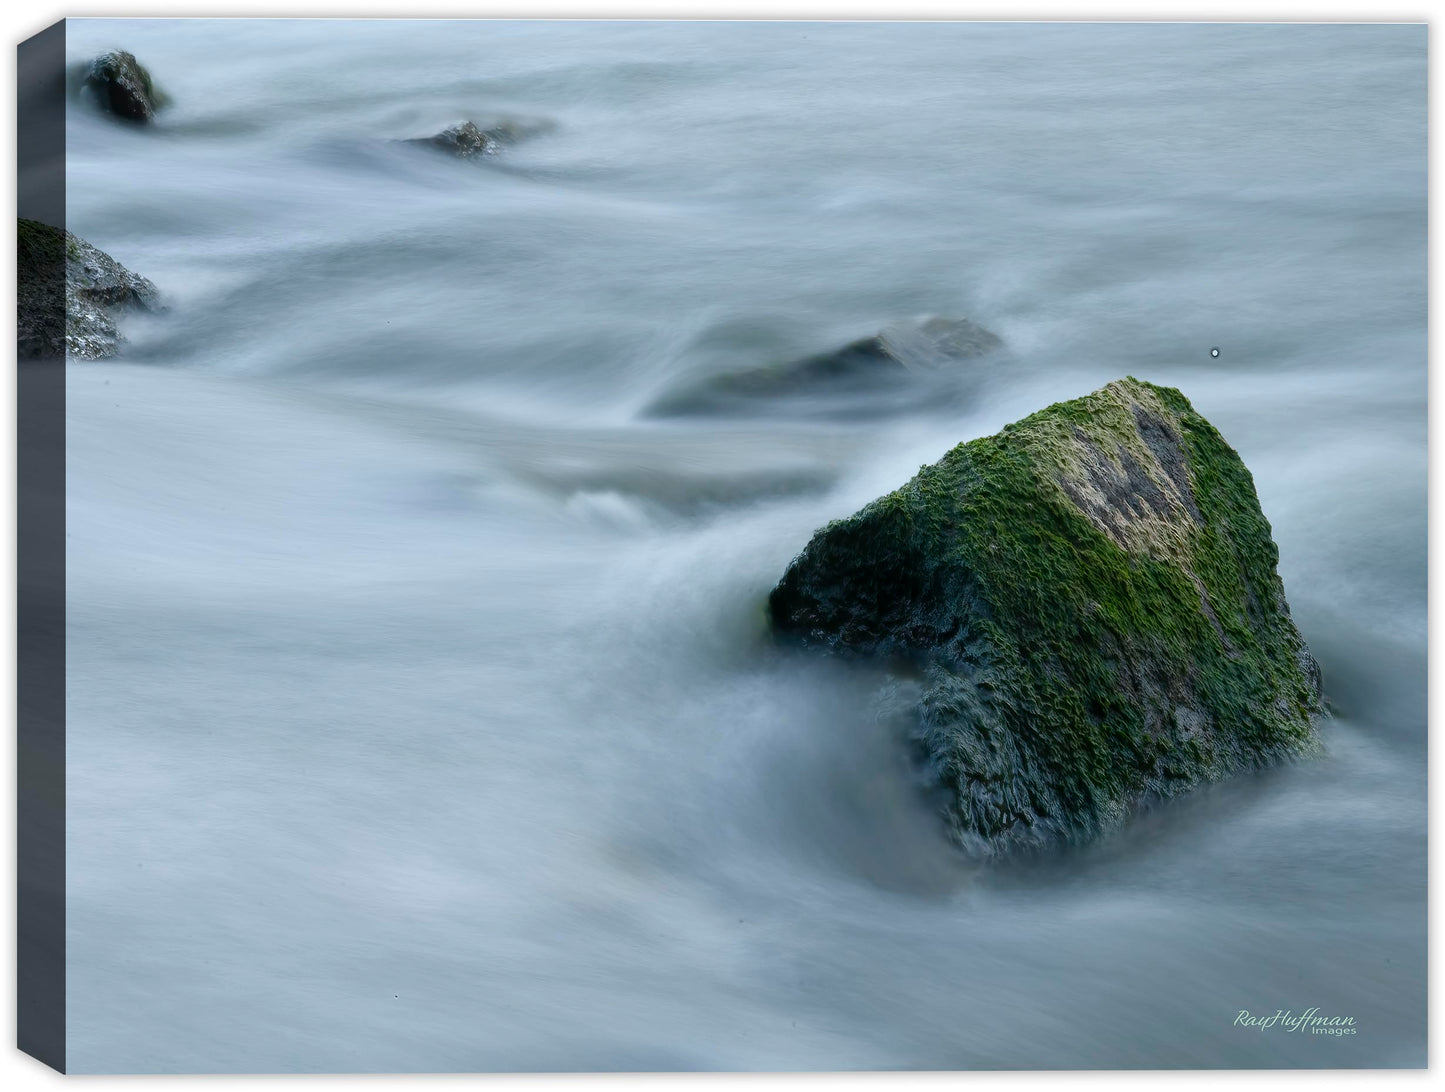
1091,598
67,292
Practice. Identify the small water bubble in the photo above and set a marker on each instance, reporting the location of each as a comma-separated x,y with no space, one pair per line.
1214,352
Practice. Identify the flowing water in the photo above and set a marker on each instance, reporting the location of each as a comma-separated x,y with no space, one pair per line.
422,710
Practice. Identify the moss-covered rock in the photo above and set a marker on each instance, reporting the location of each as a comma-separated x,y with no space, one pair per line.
1091,600
121,85
67,292
905,351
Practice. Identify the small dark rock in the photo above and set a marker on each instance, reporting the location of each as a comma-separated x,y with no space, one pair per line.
469,139
898,352
122,86
463,141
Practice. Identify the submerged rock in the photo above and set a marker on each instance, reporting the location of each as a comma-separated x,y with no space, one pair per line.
1092,602
894,354
67,291
122,86
468,139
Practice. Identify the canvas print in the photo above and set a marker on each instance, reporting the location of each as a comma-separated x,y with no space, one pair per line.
721,545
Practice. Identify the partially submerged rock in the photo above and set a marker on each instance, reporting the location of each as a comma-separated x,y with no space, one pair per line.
1091,600
67,294
122,86
469,139
888,358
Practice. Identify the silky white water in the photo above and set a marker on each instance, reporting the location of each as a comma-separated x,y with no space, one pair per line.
421,709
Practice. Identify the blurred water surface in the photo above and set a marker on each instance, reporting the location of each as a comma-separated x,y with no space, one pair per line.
422,715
